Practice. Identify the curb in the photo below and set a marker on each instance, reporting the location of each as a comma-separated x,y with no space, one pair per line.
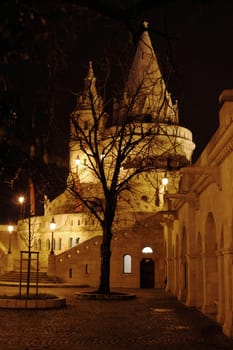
55,303
100,296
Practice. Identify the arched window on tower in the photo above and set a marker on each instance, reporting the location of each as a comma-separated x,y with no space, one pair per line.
48,244
127,263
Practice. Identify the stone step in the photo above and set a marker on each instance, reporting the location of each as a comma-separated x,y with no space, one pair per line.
14,276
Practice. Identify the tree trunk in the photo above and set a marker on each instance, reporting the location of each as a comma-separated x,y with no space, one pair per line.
104,286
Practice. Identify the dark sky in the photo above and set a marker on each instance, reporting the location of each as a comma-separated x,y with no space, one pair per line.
195,39
191,38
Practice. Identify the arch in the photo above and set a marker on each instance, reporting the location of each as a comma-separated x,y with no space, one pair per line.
127,263
147,273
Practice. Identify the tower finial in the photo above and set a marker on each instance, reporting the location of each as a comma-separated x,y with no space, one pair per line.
145,25
90,70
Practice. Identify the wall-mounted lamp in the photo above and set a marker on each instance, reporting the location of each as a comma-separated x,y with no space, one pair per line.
77,161
102,156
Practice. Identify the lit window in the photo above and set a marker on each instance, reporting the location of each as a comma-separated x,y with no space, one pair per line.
127,263
48,244
71,242
147,250
60,244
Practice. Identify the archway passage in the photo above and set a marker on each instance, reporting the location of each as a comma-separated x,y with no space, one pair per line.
147,273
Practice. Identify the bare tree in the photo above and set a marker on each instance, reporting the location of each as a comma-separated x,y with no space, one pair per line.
112,150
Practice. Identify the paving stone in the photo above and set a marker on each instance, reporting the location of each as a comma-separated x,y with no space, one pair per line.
153,320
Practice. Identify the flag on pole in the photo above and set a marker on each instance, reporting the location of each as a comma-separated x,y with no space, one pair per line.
31,197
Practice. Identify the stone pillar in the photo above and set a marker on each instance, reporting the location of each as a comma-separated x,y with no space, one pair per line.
169,223
182,293
228,273
221,289
191,277
210,285
176,276
170,274
199,289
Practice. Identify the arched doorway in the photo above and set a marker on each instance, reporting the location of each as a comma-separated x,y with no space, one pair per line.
147,273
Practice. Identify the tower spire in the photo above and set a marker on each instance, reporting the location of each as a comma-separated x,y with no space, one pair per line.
90,81
145,84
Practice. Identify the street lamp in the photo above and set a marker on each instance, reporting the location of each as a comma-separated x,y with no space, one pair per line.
77,163
21,201
52,228
10,230
165,182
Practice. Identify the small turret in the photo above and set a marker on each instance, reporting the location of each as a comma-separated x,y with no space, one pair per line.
89,98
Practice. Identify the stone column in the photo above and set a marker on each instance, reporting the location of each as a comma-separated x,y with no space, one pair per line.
228,273
221,289
191,283
210,284
170,274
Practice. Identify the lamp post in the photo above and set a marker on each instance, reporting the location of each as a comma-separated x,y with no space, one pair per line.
10,230
52,228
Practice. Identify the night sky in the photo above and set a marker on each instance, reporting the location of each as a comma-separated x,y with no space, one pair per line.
192,40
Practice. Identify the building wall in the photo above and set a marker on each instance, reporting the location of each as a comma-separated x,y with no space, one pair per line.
200,238
81,264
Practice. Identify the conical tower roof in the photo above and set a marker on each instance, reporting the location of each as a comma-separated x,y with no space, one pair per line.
145,85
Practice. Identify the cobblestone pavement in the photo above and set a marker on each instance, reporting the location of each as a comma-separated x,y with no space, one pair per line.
153,320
